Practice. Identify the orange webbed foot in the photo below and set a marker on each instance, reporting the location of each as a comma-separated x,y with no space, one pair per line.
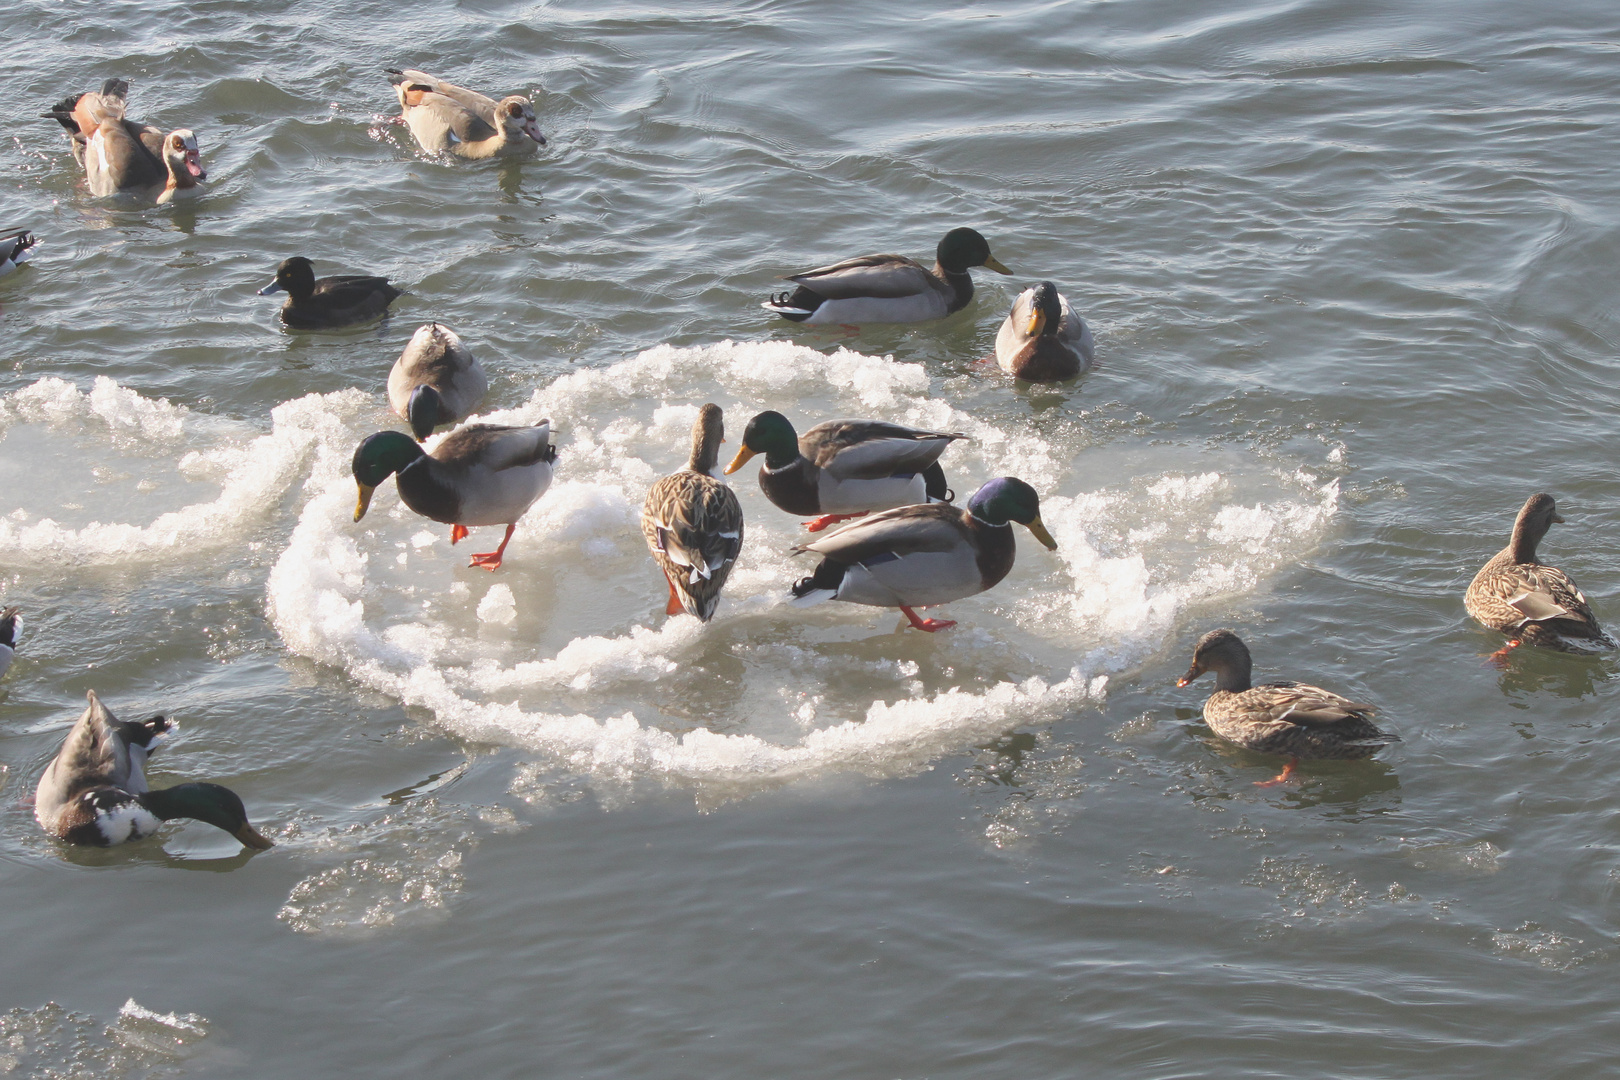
674,607
1282,777
826,520
931,626
1499,658
458,533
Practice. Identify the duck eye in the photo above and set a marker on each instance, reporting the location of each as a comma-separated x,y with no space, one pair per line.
514,109
178,143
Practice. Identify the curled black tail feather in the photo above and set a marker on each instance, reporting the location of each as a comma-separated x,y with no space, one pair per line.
829,575
934,484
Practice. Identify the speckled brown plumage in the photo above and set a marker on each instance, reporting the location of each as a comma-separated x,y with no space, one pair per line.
1528,600
694,524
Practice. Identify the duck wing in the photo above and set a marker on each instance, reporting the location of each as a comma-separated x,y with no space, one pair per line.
479,104
497,447
884,276
872,449
352,288
694,526
904,530
100,751
1512,597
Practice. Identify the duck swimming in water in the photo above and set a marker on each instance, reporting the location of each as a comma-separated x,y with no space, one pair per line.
15,247
888,288
446,118
1043,339
330,302
121,157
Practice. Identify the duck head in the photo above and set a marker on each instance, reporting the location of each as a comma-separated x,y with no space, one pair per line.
1224,653
426,411
295,277
517,117
377,458
708,432
184,159
1538,514
1045,310
1007,498
218,806
963,248
770,434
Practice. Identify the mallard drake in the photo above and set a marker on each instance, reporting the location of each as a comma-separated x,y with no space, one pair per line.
915,556
435,380
330,302
1043,339
15,247
10,627
1291,718
481,474
122,157
1528,600
694,524
843,468
888,288
95,791
446,118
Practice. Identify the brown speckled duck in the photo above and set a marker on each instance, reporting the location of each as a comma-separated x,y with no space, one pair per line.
1291,718
1528,600
694,524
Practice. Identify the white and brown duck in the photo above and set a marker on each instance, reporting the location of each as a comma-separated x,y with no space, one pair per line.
450,119
121,157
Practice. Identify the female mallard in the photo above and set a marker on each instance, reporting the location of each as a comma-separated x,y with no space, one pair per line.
1528,600
1043,339
435,380
15,247
844,468
449,119
694,524
331,302
10,627
1290,718
888,288
95,792
915,556
482,474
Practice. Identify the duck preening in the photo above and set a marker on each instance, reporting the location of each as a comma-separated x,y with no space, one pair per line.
888,288
1296,719
1043,339
10,629
842,469
481,474
122,157
449,119
1529,601
330,302
15,246
435,381
916,556
694,524
95,790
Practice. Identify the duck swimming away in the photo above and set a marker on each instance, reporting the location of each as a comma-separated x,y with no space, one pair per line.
694,524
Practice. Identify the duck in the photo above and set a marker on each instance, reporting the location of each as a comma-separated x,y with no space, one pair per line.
330,302
435,381
480,474
888,288
1296,719
915,556
122,157
446,118
1529,601
10,627
841,469
694,524
95,792
16,245
1043,339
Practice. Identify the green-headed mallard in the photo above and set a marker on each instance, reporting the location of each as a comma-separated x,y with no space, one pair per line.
95,791
482,474
435,381
330,302
15,247
1528,600
449,119
917,556
1043,339
694,524
1291,718
10,627
888,288
844,468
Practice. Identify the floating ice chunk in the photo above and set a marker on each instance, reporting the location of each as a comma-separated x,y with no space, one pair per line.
498,606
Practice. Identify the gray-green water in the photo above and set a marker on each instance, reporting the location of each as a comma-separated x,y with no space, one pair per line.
1351,272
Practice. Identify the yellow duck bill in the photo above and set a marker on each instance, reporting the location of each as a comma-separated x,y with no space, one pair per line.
364,502
740,460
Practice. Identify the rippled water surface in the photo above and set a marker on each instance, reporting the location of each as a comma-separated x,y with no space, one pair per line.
1351,273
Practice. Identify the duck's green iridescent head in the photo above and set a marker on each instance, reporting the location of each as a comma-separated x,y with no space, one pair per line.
963,248
218,806
377,458
770,434
1046,310
1007,498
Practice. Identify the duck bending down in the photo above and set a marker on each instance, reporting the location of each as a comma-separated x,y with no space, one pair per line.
122,157
330,302
1529,601
435,381
446,118
10,627
1296,719
888,288
95,791
915,556
481,474
1043,339
15,247
694,524
842,469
